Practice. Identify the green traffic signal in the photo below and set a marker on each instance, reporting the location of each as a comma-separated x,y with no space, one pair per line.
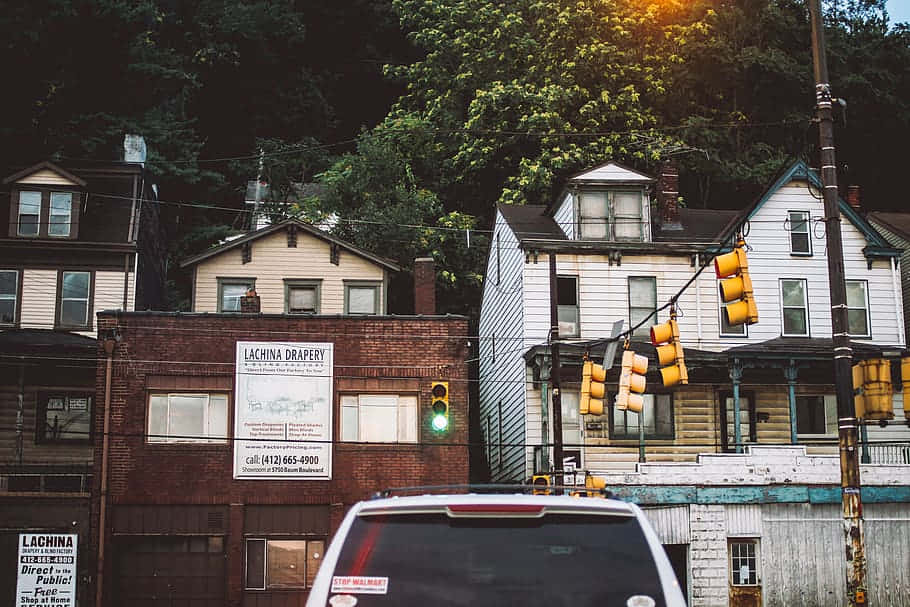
440,406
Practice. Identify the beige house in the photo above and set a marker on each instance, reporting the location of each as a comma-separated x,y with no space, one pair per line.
294,268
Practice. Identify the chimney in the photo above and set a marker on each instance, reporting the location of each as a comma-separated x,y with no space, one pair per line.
668,196
853,198
249,303
424,286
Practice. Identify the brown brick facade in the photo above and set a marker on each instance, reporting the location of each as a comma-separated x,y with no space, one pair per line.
196,352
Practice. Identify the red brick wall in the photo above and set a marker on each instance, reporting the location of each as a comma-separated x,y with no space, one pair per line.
384,353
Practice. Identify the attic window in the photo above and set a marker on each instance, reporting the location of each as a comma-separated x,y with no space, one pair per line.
611,215
292,236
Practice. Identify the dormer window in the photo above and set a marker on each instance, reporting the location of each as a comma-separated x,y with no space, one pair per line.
611,215
44,213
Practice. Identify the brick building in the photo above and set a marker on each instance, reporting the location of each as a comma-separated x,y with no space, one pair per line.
180,527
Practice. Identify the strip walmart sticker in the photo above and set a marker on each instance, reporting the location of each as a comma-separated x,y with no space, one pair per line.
358,584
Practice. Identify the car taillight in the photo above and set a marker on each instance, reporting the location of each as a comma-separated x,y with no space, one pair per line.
526,510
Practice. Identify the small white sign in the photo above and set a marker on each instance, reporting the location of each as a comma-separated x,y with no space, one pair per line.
359,584
46,570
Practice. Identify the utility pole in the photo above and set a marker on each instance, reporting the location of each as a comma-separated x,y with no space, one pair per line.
555,368
843,353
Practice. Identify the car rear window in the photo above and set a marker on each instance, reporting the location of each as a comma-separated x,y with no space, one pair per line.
559,559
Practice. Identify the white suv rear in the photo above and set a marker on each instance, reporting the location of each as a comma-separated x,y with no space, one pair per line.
485,550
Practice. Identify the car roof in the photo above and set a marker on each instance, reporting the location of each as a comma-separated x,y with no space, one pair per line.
499,503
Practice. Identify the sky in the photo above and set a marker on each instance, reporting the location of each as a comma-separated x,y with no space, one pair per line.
899,11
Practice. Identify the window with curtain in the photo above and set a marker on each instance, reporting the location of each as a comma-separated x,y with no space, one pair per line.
361,299
188,418
858,308
379,418
230,290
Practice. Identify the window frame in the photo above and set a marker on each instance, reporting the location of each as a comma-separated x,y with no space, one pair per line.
248,282
44,212
806,221
378,305
167,440
611,216
644,329
342,424
756,558
577,306
302,283
726,439
16,299
90,301
41,425
865,284
805,307
610,409
829,402
19,205
50,215
265,540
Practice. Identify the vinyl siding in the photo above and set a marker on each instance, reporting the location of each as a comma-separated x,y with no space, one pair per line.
565,216
46,177
109,291
898,242
273,261
501,366
39,298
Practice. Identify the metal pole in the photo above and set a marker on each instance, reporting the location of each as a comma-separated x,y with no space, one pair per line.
641,436
843,353
555,370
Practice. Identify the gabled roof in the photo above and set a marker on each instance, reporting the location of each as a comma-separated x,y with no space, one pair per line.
898,223
271,229
799,170
613,173
49,166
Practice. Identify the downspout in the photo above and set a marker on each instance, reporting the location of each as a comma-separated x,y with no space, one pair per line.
109,345
895,294
126,280
698,300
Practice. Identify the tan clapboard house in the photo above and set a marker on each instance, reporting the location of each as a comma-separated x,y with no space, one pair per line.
294,268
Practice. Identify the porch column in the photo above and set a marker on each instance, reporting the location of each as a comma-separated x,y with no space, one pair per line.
736,375
790,372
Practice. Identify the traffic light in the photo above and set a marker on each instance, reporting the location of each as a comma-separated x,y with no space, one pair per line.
440,405
872,389
592,389
733,267
632,382
665,337
541,484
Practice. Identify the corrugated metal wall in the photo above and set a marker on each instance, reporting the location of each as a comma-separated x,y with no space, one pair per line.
671,523
743,520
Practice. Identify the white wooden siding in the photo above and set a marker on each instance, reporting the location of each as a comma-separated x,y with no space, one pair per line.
46,177
273,261
565,216
612,172
898,242
39,299
501,366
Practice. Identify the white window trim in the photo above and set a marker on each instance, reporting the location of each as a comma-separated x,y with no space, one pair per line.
14,298
744,540
167,439
645,328
611,217
414,430
865,284
51,215
805,307
808,233
577,306
37,233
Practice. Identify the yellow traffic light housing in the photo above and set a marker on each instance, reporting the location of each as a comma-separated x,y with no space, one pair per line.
665,337
905,386
733,267
873,393
440,406
632,382
593,389
541,484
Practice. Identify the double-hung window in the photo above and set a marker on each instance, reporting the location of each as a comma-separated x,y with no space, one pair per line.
379,418
9,296
301,296
611,215
362,298
858,308
230,290
642,302
187,418
656,415
74,305
29,213
44,213
800,240
567,306
281,564
794,307
61,214
816,415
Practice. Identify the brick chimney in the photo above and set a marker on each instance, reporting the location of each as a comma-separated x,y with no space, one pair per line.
249,303
424,286
668,196
853,198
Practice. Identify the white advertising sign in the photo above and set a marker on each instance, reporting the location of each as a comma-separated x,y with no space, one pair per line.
283,405
46,570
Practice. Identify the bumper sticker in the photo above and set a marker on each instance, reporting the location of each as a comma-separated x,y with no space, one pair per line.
360,584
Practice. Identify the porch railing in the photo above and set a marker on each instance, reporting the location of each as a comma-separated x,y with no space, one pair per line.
891,453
